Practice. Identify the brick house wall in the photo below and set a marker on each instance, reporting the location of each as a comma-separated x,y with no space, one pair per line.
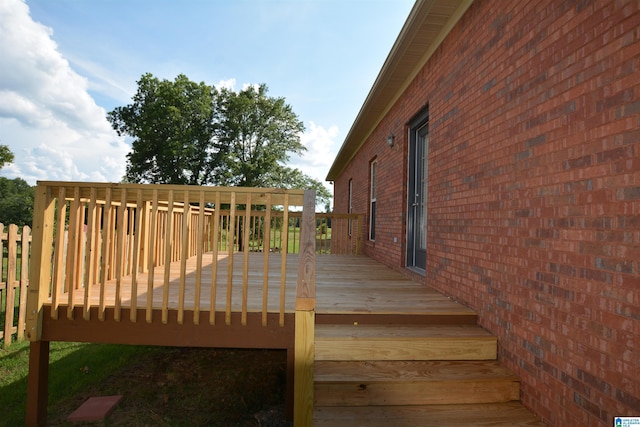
533,194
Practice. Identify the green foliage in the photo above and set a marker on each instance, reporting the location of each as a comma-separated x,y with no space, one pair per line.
16,202
294,178
191,133
6,156
172,125
258,133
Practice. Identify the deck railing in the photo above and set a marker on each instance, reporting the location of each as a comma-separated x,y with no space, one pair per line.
336,234
88,234
88,237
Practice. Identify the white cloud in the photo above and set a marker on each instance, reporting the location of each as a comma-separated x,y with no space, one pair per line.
47,117
105,80
227,84
321,149
255,86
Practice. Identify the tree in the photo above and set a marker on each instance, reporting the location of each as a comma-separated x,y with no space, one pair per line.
295,178
6,156
16,202
258,133
191,133
172,126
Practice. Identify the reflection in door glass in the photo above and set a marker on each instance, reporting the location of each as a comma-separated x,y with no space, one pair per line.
422,212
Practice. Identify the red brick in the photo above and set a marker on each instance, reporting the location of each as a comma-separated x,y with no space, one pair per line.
534,193
95,409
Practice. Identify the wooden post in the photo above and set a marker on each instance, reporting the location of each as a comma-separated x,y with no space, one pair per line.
152,215
290,398
214,261
40,275
12,259
90,254
284,250
168,252
266,248
246,225
40,265
136,227
184,254
231,232
37,383
120,252
24,280
58,267
199,249
305,316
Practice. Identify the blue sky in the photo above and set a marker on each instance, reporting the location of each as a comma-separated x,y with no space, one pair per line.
65,63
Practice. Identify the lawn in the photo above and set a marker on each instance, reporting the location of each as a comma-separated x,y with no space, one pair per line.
323,239
73,367
163,386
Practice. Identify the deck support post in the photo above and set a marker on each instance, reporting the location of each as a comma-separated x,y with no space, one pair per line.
290,397
304,358
37,384
305,315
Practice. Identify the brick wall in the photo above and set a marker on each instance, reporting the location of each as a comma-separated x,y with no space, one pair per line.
534,194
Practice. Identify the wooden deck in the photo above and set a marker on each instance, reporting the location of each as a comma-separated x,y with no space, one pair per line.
345,285
387,349
132,267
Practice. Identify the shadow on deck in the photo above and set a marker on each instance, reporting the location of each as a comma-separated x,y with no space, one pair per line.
349,288
156,265
345,285
388,349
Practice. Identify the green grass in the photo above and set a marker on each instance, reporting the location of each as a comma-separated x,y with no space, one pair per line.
160,385
72,366
293,243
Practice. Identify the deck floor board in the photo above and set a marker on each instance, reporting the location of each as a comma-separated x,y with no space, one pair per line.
344,285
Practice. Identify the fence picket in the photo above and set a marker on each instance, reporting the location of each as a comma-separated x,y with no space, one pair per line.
24,279
214,259
10,283
13,291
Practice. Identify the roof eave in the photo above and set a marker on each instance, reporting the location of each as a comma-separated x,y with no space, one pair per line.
426,27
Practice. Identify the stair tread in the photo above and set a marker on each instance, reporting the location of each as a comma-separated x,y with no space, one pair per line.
360,383
492,414
384,332
404,342
410,370
385,296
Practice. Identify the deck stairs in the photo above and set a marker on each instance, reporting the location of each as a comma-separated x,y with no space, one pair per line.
405,371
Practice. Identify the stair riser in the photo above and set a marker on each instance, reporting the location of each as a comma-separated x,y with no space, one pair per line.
398,349
396,319
415,393
511,414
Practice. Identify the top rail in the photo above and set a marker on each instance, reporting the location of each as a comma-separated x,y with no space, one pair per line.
258,195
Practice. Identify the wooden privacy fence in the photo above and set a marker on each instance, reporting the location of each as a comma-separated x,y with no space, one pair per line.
15,243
